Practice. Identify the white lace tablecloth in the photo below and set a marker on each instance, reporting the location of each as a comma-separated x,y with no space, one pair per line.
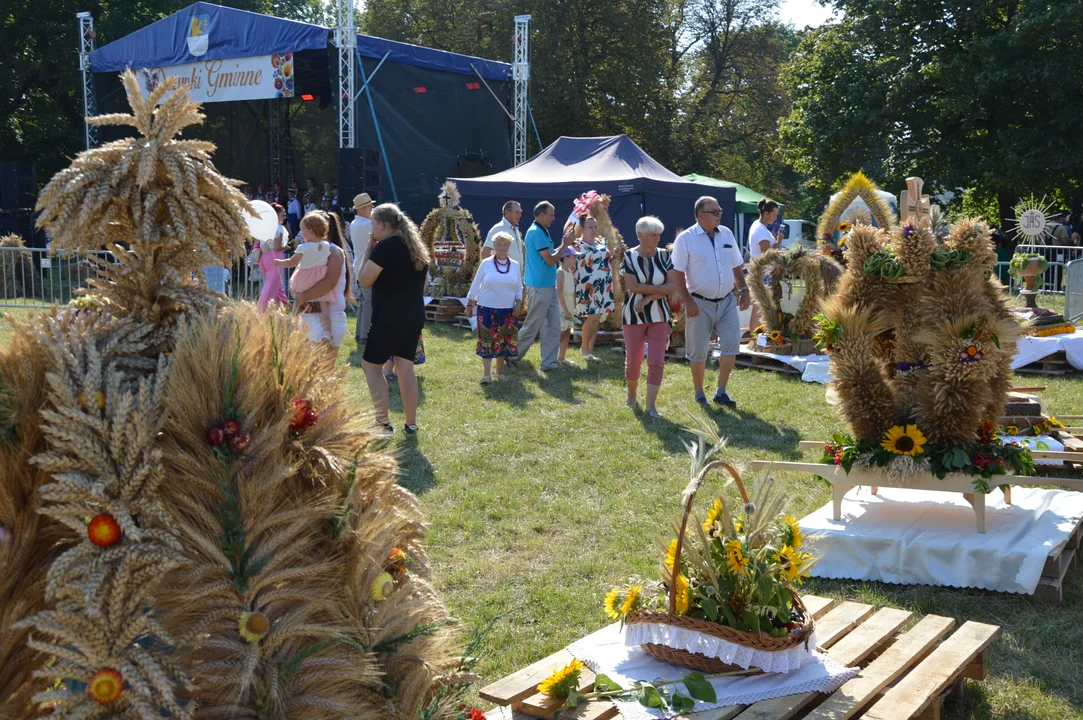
605,652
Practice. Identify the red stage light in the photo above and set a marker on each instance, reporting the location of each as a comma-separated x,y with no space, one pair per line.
420,90
473,86
308,97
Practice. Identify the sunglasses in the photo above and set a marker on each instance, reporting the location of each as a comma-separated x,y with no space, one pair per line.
711,212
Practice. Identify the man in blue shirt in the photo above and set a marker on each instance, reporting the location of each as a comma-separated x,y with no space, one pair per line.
540,279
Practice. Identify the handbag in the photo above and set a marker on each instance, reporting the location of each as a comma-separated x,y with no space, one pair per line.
254,256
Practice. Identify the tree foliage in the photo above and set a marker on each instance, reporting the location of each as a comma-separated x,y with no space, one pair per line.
966,95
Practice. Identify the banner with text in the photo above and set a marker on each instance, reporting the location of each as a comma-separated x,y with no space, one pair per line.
251,78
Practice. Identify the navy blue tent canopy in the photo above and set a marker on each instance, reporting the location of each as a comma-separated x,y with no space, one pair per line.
235,33
615,166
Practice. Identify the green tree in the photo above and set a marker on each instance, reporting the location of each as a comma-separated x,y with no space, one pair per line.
966,95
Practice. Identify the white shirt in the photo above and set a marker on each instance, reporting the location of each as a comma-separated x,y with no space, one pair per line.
294,207
756,234
494,289
515,252
360,234
708,268
313,254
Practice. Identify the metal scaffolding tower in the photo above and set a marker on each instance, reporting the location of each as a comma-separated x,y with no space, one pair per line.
520,71
86,45
346,41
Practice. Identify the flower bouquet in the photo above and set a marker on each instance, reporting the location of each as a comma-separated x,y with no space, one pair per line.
726,600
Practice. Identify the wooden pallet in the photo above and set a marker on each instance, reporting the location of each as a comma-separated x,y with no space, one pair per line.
765,362
1051,585
903,674
447,310
1055,364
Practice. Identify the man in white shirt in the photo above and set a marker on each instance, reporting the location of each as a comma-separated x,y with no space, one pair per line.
361,240
708,266
509,224
294,212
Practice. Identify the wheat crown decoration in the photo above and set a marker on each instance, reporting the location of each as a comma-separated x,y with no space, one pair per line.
156,192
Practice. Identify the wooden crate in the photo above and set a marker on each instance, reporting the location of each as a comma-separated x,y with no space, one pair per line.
903,674
447,310
1051,585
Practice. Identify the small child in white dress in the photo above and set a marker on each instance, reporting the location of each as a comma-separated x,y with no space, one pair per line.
310,259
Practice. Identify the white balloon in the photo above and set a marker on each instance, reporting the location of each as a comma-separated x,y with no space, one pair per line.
264,225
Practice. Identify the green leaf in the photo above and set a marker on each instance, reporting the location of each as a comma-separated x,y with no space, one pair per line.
603,683
700,688
710,606
649,696
960,458
996,340
572,700
682,703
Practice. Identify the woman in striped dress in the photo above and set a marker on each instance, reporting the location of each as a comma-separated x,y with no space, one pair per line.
646,270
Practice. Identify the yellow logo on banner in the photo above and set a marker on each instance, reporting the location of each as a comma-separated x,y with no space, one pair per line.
198,34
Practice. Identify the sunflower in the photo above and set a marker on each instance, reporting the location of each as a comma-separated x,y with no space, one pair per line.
793,530
776,335
671,553
842,242
844,227
684,595
106,685
759,329
619,603
793,564
904,440
563,681
712,516
736,560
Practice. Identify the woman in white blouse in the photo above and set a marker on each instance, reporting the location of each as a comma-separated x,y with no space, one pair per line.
496,291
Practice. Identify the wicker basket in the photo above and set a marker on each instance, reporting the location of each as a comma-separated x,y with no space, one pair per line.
698,661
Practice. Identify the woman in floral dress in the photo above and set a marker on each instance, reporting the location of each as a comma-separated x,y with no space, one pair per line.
593,284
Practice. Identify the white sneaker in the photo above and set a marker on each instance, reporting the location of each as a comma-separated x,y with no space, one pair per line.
485,379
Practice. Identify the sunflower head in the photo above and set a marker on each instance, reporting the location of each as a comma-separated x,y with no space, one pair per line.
775,335
793,564
621,601
712,516
791,532
904,440
684,595
254,626
671,554
844,227
563,681
736,560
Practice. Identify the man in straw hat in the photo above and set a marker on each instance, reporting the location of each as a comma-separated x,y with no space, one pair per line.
361,240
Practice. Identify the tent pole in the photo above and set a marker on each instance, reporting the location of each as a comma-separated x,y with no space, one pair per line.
536,133
378,66
495,96
376,124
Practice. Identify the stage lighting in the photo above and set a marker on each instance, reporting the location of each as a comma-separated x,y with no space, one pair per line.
308,97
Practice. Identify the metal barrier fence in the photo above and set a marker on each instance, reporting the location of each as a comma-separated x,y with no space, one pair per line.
31,278
1054,280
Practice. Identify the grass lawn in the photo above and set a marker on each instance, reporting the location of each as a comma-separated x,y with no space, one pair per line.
544,491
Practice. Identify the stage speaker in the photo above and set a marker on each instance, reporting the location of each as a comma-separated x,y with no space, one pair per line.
351,167
372,178
18,188
371,157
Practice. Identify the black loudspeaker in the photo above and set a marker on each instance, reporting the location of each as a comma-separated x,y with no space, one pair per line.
351,166
371,179
18,187
371,157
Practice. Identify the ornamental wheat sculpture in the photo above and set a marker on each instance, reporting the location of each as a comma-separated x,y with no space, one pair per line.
204,528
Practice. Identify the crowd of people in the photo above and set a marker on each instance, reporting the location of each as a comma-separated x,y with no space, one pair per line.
572,283
298,202
381,263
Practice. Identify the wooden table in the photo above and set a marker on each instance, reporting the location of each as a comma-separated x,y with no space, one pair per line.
904,674
842,482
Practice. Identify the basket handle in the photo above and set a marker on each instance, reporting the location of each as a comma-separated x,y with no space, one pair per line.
675,571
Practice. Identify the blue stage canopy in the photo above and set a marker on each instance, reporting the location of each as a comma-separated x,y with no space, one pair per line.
205,31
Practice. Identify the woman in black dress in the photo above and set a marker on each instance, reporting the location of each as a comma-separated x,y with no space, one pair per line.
396,271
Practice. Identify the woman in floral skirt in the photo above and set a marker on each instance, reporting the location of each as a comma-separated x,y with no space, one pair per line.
497,291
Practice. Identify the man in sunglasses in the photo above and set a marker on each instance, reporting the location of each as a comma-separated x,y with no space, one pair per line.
707,268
